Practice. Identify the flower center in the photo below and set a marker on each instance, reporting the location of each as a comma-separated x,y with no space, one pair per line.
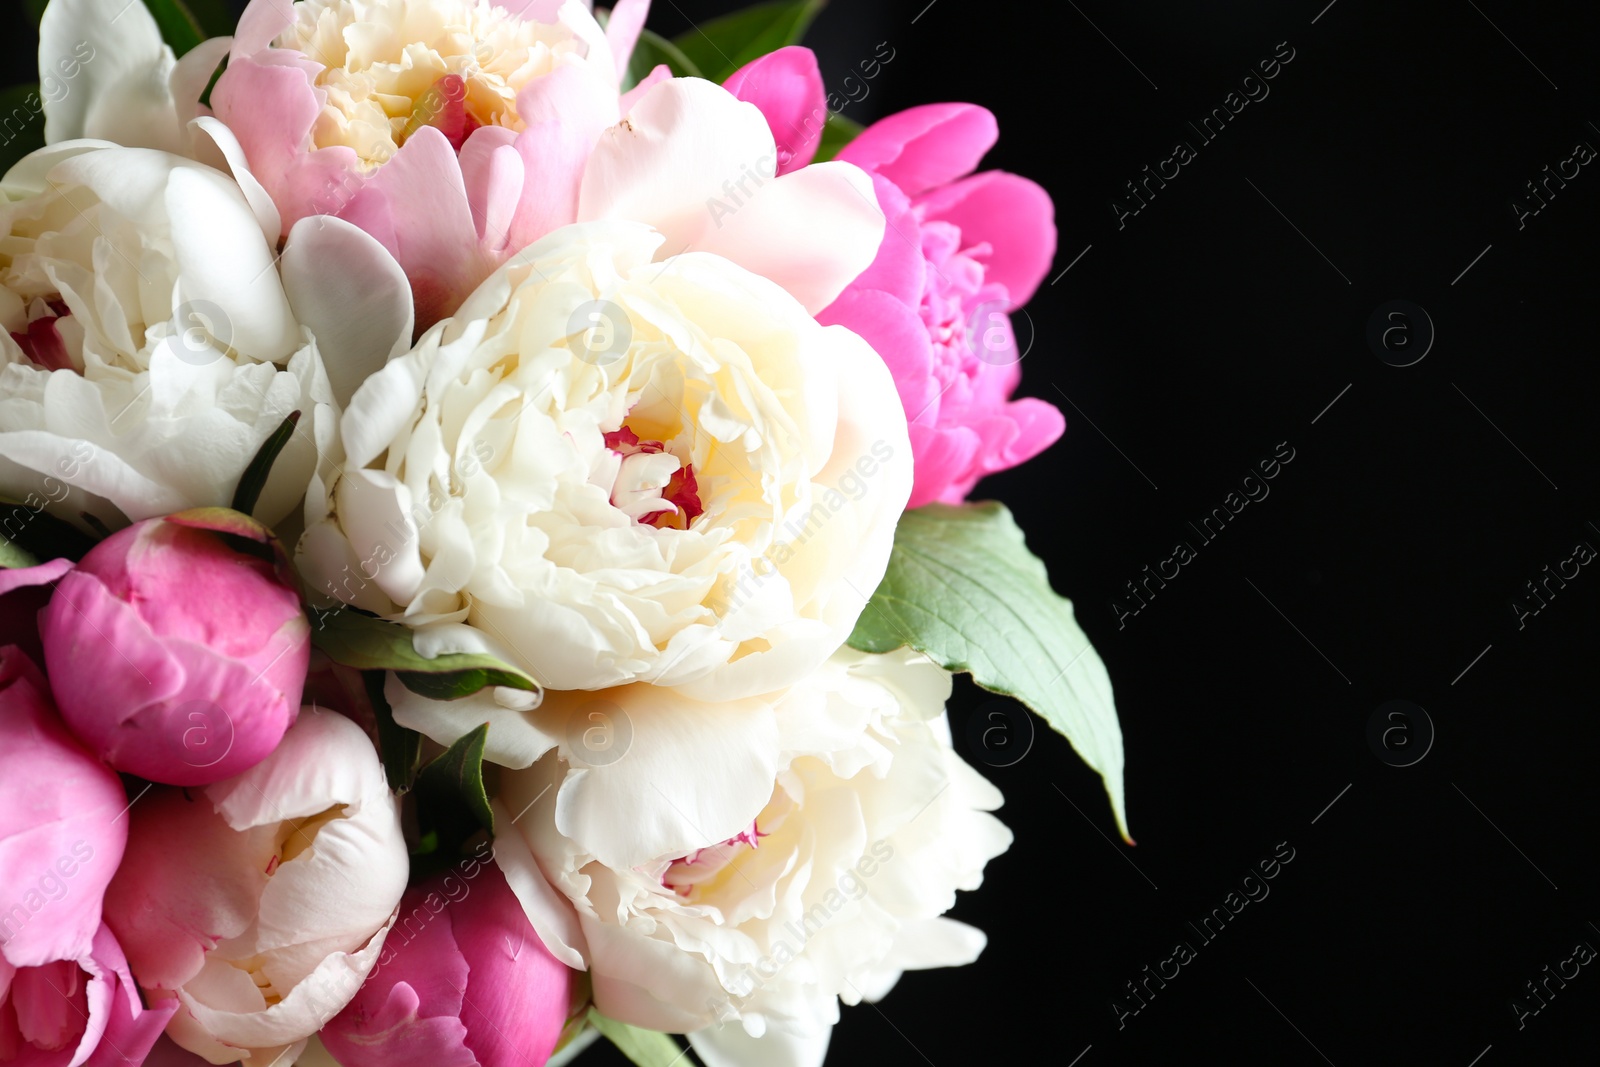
704,867
653,486
41,342
391,67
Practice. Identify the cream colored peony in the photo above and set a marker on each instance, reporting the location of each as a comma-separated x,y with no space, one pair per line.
835,884
154,338
612,470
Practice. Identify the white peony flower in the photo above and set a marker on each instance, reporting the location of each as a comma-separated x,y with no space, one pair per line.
830,890
153,337
611,470
261,902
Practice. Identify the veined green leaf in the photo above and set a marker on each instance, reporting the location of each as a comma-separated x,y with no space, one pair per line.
963,588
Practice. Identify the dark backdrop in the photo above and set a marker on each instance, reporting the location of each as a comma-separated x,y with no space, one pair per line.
1190,341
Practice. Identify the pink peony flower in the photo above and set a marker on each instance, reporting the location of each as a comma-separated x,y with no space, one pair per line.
463,979
61,827
65,994
453,131
174,655
960,252
77,1011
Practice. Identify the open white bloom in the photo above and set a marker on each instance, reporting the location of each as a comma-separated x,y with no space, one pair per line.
153,337
830,891
261,902
612,470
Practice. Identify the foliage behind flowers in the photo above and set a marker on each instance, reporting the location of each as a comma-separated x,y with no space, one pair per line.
495,483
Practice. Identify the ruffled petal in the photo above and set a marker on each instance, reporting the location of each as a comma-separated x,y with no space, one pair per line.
1010,215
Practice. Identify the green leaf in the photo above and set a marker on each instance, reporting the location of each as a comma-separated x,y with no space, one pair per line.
13,555
651,50
721,46
837,132
205,94
254,478
21,124
26,525
213,16
399,748
179,28
646,1048
458,772
963,588
371,644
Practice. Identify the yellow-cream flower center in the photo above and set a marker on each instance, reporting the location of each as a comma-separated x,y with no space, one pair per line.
393,66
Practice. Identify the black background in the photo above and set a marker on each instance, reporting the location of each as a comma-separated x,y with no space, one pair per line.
1219,321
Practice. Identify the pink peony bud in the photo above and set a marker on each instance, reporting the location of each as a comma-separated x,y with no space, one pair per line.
463,979
175,655
62,828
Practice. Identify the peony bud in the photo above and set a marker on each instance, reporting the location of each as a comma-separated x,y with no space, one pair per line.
62,828
464,979
65,993
174,654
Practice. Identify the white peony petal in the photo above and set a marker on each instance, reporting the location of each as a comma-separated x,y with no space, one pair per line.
226,266
515,737
350,292
103,73
550,914
639,788
729,1045
811,231
232,159
324,760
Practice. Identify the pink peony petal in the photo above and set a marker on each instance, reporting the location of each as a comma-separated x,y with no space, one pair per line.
1010,214
925,147
787,86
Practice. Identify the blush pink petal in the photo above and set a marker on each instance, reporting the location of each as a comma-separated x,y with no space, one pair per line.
1012,216
565,114
787,86
270,107
59,809
622,30
924,147
424,197
123,1030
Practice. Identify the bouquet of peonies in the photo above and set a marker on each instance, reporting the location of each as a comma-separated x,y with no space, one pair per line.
483,536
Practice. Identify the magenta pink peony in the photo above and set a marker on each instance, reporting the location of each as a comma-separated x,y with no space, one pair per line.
960,252
174,655
463,979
